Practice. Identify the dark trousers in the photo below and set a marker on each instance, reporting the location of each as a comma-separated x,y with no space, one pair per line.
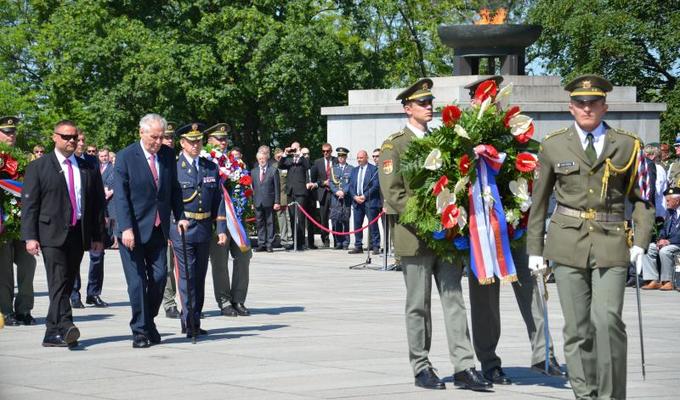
197,260
61,267
361,211
264,220
324,214
341,225
299,226
145,270
95,277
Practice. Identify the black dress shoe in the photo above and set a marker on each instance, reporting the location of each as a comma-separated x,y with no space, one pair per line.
356,250
241,309
554,368
71,335
291,247
429,380
26,319
140,341
497,376
10,320
337,247
228,311
199,332
270,249
154,336
77,304
471,379
54,341
172,312
312,247
96,301
259,249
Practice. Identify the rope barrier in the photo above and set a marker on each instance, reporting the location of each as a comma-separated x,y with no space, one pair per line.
323,228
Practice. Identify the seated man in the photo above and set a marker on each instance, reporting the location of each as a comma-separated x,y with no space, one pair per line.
666,247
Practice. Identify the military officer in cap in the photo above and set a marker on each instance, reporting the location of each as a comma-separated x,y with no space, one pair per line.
200,183
169,302
485,313
420,264
230,294
16,310
591,168
341,202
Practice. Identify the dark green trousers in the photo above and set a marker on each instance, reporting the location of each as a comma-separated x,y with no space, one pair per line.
14,252
225,292
170,286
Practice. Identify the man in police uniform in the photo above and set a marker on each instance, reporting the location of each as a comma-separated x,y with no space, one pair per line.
169,302
229,294
202,196
485,311
341,202
17,310
420,264
591,167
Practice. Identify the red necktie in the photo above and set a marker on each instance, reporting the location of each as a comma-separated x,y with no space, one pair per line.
154,173
72,193
261,174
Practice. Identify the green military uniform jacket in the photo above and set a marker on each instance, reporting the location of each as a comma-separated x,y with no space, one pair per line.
565,171
674,173
396,192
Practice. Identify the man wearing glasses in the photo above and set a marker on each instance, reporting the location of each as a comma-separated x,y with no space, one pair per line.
38,151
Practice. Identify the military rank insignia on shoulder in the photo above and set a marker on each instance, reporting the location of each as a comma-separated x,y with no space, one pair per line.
622,132
551,135
387,167
386,146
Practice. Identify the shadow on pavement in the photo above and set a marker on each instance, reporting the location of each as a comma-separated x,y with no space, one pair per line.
79,318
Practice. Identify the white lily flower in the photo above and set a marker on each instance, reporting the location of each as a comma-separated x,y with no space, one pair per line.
460,131
485,105
520,188
434,160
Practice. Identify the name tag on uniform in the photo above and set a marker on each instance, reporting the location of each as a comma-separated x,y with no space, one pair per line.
209,179
565,164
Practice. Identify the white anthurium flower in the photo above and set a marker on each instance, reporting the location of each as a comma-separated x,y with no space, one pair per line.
485,105
520,188
504,92
462,218
460,131
434,160
519,124
460,185
512,218
444,198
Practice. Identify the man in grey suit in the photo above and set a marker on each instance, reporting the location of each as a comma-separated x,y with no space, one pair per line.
266,199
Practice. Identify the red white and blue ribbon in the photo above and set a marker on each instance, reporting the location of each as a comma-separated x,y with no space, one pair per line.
489,242
643,176
11,186
234,225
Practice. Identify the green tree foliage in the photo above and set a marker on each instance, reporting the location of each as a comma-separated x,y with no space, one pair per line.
633,43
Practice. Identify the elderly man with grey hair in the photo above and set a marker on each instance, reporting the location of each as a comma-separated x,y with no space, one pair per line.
666,248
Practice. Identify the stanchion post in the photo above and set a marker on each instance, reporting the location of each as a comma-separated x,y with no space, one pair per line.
295,230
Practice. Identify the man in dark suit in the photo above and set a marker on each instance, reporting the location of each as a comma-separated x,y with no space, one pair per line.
145,191
364,190
321,175
266,199
62,215
297,185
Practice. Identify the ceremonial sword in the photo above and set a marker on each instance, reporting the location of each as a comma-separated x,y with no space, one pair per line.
543,294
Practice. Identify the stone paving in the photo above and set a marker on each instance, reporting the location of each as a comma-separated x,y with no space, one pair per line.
318,331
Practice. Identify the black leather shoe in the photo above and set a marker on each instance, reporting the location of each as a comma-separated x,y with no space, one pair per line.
497,376
140,341
154,336
26,319
10,320
96,301
312,247
429,380
337,247
77,304
241,309
71,335
356,250
172,312
554,368
270,249
259,249
471,379
228,311
199,332
54,341
291,247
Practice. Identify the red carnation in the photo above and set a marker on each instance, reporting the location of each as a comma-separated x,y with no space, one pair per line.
248,193
464,164
441,184
512,112
450,216
246,180
526,136
526,162
450,115
485,90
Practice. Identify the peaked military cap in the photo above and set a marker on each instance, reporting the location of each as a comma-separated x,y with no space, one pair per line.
170,128
671,190
588,87
342,151
473,86
218,130
421,90
191,131
8,124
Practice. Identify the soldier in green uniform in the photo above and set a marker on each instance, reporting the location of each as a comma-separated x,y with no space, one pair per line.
420,264
169,302
674,167
591,168
17,310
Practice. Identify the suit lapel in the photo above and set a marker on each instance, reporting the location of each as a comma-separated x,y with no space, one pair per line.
59,175
83,182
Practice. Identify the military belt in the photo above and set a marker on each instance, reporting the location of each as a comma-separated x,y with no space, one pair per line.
197,216
589,214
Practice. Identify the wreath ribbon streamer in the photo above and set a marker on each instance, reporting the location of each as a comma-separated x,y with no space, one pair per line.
234,225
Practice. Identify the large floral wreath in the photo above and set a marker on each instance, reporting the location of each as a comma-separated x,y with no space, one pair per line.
236,178
12,166
472,179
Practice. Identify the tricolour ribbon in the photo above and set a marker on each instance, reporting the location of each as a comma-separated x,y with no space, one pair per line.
234,225
489,242
11,186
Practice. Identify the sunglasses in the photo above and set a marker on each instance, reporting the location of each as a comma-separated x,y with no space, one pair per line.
39,152
92,152
67,138
326,151
376,155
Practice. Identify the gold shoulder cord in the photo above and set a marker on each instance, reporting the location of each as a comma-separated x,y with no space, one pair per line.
336,181
609,167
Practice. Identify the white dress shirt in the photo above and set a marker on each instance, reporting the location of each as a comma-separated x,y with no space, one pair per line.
598,137
361,175
76,178
418,132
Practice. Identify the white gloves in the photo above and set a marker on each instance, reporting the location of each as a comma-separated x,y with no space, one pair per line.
636,253
536,263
